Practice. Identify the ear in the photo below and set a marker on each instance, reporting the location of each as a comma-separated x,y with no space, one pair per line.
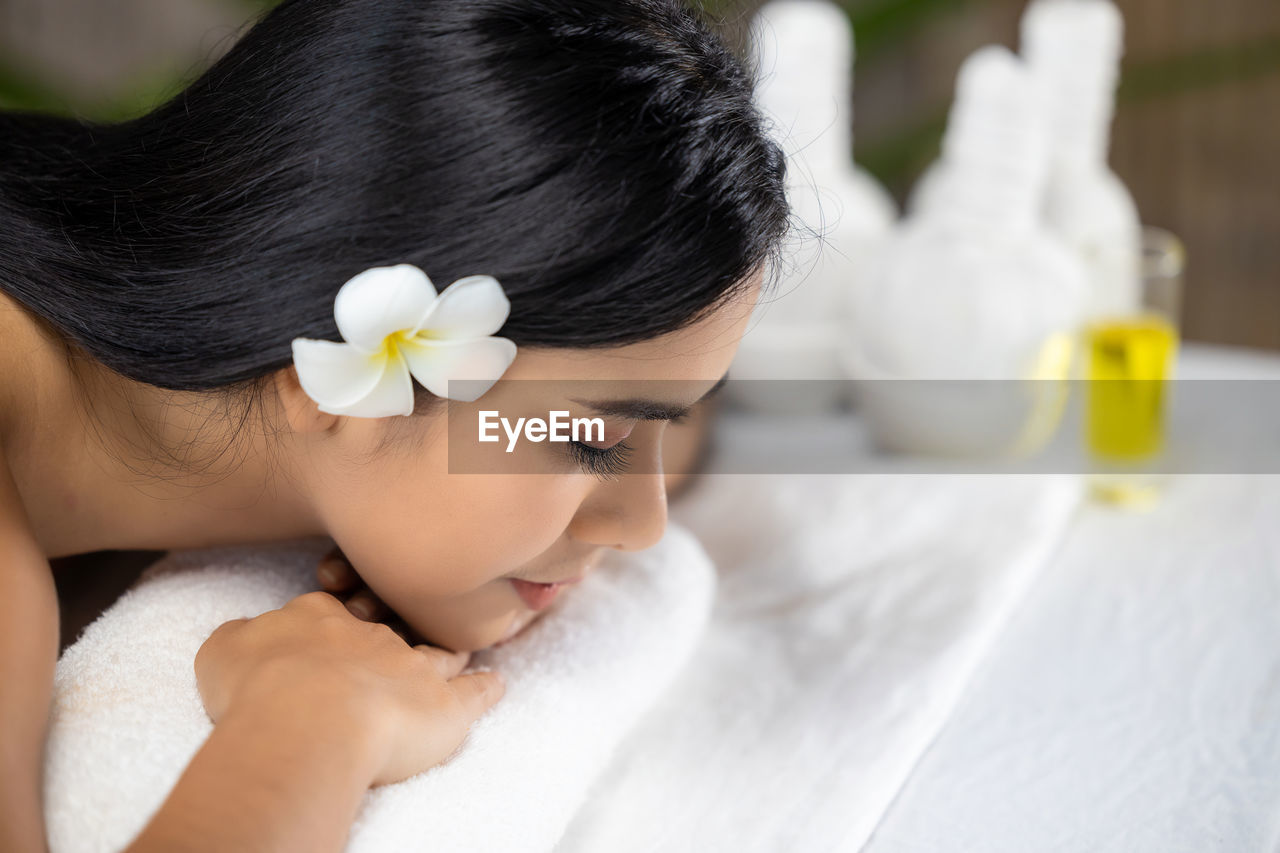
301,412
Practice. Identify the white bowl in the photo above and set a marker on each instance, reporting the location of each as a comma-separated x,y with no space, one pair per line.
962,418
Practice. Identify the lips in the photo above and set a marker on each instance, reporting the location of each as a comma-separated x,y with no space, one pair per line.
538,596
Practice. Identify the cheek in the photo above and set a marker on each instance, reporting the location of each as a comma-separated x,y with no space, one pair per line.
430,538
439,567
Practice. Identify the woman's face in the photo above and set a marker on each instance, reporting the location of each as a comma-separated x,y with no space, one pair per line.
440,543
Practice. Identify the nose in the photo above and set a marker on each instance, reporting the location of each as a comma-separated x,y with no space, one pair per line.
629,514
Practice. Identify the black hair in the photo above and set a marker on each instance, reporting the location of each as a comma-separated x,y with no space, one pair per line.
601,158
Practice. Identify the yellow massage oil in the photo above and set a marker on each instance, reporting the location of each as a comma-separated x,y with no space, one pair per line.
1129,361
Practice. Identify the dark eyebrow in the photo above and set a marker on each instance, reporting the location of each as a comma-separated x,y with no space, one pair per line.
647,410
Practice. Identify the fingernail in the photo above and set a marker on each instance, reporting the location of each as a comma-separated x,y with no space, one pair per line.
362,608
328,576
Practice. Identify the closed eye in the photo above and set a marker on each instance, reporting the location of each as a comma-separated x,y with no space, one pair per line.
605,463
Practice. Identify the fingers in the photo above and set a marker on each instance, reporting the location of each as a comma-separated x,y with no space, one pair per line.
448,663
338,577
365,605
478,691
335,573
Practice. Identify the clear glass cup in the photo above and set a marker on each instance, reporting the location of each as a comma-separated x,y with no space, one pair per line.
1129,362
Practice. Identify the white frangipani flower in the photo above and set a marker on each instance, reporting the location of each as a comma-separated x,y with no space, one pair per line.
394,325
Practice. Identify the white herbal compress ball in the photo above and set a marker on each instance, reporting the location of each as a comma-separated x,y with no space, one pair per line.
803,53
1073,49
973,287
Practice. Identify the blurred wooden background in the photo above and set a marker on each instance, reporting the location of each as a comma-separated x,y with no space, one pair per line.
1196,136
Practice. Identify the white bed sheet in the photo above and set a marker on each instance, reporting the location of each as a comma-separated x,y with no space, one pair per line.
1133,702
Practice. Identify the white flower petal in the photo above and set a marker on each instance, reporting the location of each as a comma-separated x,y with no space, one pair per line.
434,363
334,374
392,395
471,307
382,300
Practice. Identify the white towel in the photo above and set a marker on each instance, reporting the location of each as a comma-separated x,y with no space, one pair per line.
851,612
127,715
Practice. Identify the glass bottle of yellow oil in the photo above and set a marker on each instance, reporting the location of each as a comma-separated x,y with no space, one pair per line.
1129,363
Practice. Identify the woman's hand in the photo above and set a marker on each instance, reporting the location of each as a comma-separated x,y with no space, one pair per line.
313,662
338,577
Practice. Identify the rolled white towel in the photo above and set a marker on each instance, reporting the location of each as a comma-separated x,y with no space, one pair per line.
127,716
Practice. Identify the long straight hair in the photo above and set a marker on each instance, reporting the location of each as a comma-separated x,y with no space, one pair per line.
602,158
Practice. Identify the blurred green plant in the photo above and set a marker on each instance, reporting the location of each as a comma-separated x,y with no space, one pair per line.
22,90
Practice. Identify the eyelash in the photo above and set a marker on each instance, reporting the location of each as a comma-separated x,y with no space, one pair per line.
605,463
608,463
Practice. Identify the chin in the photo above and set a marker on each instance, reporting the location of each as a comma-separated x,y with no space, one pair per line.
465,641
471,638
